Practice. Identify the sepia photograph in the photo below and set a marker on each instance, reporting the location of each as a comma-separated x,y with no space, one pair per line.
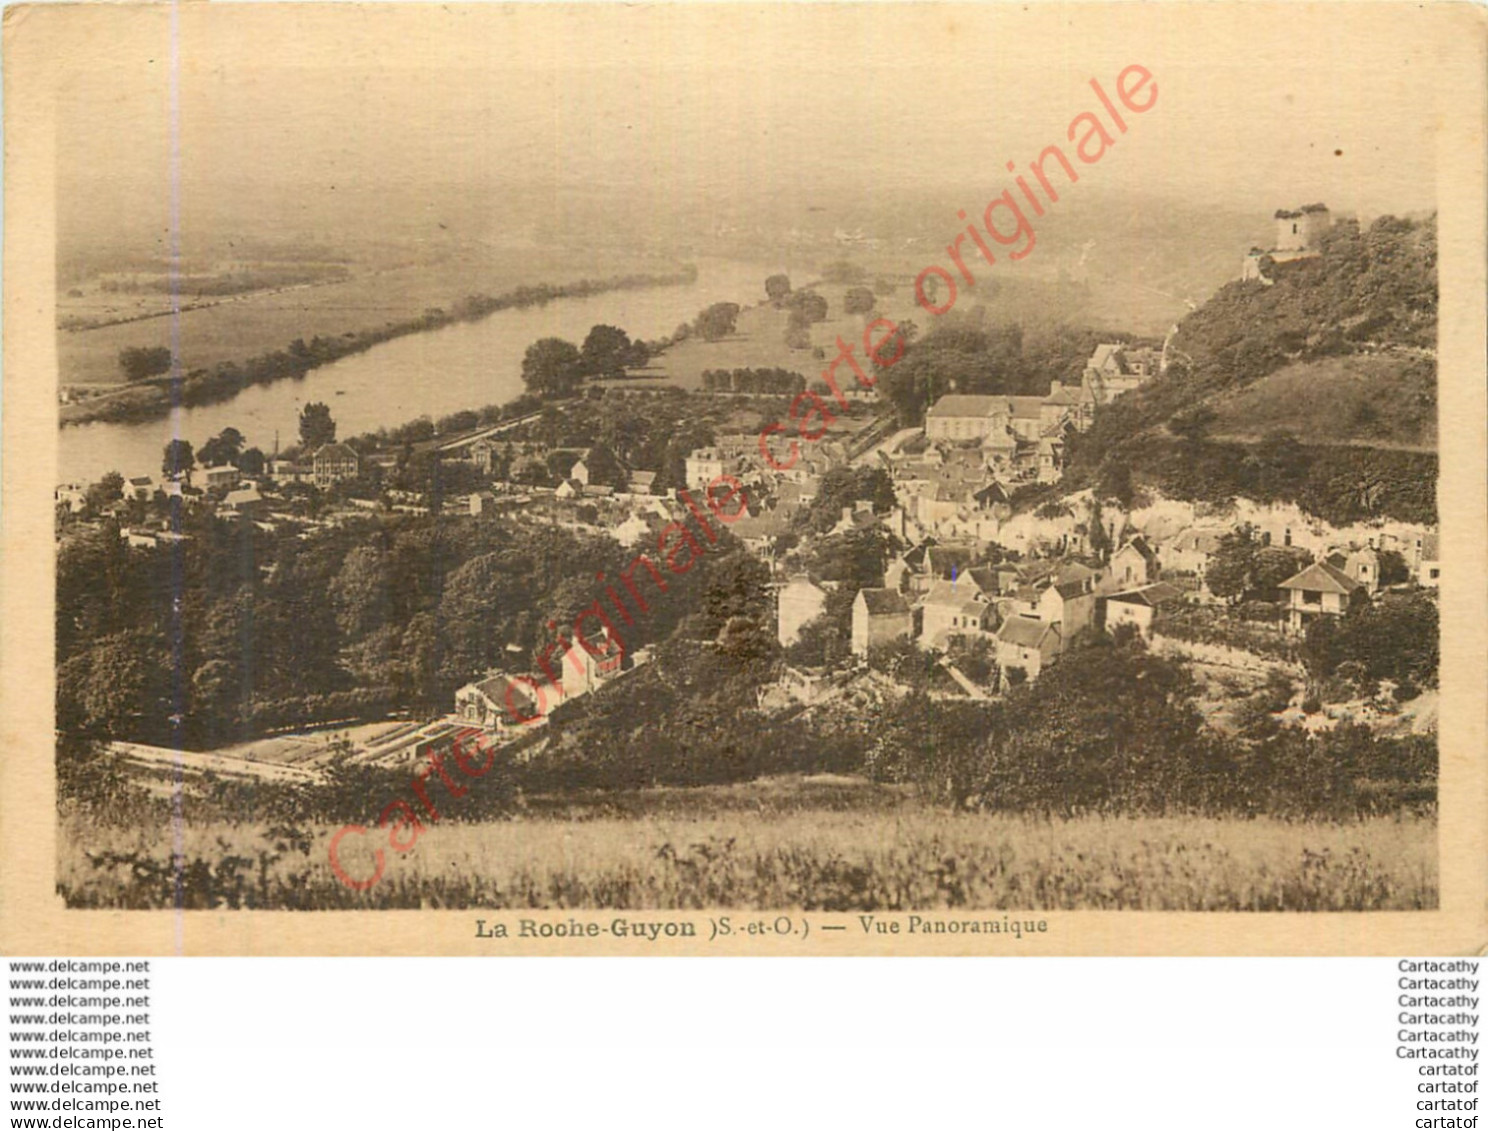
950,463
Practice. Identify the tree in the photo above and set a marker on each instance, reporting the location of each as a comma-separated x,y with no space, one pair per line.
359,593
717,321
553,367
858,300
855,559
1098,537
606,352
222,448
1392,567
139,362
109,489
1273,565
127,688
604,468
826,641
841,487
178,460
316,426
777,287
807,307
1231,567
639,355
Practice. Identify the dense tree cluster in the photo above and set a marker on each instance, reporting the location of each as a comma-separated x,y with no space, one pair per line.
608,352
235,630
552,367
1396,636
841,488
140,362
971,354
1113,728
1243,567
858,300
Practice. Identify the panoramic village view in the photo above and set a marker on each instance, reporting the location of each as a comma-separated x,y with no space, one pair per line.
799,564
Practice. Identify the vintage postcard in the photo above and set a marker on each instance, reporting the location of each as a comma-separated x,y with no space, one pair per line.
744,479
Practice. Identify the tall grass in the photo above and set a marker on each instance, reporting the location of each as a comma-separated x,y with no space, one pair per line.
888,855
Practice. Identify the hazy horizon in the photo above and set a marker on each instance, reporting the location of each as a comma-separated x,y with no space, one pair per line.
497,119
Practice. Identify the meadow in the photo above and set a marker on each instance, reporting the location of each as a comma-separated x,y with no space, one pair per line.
820,843
1382,400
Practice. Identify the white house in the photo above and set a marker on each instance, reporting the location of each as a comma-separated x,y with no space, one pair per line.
1429,574
800,601
1026,643
1139,607
952,608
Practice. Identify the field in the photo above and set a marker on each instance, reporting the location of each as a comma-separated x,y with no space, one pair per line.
819,843
253,324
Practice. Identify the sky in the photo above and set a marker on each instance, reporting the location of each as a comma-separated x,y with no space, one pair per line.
679,106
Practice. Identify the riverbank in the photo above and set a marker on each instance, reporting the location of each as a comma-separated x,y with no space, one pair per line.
461,366
154,400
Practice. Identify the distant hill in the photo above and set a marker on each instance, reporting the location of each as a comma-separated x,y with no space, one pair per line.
1319,388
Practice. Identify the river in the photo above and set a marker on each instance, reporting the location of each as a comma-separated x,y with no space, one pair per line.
463,366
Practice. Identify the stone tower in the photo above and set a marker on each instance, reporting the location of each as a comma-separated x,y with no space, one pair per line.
1303,229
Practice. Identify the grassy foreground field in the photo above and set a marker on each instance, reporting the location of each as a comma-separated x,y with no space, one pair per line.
252,324
817,844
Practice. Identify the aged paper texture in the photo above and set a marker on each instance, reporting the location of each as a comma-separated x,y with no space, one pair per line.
693,479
